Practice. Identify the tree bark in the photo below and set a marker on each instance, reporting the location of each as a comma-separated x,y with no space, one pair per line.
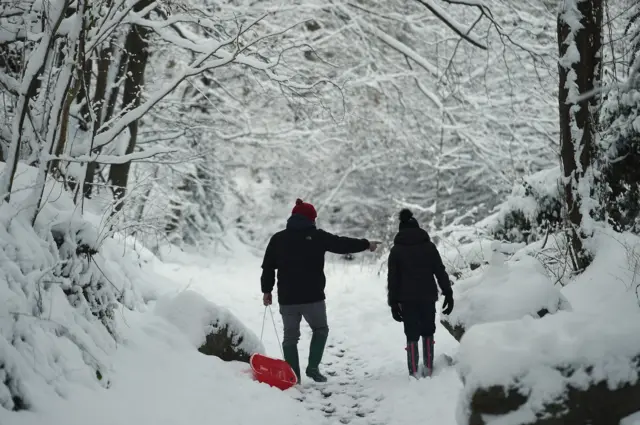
138,54
578,116
83,97
99,103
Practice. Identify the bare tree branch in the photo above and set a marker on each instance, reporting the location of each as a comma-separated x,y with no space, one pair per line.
451,23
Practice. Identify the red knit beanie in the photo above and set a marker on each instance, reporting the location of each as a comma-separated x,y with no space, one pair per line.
305,209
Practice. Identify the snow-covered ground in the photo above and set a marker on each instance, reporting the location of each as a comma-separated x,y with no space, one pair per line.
158,376
366,346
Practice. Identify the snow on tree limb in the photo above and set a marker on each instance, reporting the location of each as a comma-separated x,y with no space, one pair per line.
35,65
198,66
404,49
274,102
111,159
108,26
9,83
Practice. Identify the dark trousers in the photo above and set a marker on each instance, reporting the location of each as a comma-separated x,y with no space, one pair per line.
419,320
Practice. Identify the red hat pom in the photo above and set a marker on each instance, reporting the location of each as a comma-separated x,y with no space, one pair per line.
304,209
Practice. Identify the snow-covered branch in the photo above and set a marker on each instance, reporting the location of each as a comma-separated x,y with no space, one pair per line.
111,159
405,50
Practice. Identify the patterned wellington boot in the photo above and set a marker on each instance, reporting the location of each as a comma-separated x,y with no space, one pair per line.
427,349
413,358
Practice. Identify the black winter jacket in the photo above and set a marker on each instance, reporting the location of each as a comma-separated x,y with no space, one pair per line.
413,262
298,254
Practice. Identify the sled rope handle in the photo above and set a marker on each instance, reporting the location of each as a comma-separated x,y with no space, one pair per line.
264,319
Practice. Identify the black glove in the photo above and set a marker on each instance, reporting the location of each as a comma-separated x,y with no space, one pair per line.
447,306
396,312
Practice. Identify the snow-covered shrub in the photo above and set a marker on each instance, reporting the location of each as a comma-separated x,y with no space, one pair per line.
83,284
503,290
619,183
57,312
212,329
60,287
533,208
572,367
565,368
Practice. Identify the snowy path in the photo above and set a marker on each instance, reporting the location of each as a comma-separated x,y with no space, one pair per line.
365,357
346,398
157,376
371,385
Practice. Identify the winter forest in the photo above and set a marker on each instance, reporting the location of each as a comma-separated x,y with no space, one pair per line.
150,149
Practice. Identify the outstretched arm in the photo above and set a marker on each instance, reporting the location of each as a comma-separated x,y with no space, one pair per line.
343,244
440,272
269,266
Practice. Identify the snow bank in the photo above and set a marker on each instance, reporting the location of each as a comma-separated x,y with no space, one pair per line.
61,285
158,378
504,290
198,318
79,345
541,359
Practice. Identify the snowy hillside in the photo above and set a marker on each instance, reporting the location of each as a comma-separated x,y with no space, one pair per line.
62,286
81,327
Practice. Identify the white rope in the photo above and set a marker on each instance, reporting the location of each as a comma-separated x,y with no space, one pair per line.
276,331
264,319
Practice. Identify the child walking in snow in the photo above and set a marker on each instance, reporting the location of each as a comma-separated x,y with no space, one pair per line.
412,292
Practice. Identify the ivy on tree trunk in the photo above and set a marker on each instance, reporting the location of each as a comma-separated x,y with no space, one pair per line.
580,45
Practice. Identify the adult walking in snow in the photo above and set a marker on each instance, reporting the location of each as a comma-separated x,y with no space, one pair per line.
414,260
297,253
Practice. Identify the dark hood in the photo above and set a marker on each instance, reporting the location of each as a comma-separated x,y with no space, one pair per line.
299,222
411,236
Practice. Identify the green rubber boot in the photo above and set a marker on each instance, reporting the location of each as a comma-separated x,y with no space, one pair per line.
316,349
291,357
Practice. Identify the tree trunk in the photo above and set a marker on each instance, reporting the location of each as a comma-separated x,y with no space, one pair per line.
99,103
176,208
105,101
580,69
145,197
33,83
77,91
138,54
83,97
60,105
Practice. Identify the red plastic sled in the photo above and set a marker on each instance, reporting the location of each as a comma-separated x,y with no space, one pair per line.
274,372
